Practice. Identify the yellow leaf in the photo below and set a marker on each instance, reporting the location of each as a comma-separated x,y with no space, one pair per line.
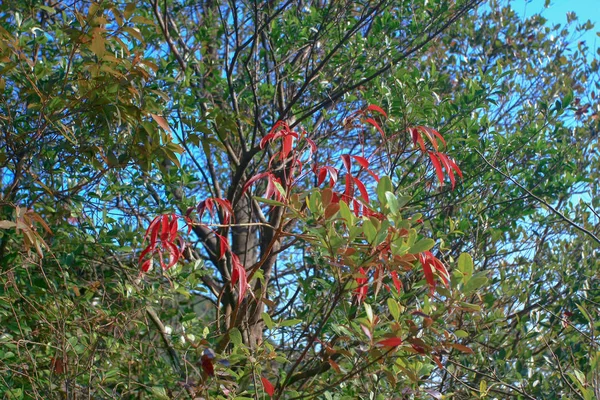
97,46
162,122
7,224
134,32
129,9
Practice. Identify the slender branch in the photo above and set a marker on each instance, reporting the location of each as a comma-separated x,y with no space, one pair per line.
493,378
540,200
341,92
165,337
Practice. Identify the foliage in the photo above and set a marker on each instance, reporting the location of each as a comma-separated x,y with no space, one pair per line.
340,199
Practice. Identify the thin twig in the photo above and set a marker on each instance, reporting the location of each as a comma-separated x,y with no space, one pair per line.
539,199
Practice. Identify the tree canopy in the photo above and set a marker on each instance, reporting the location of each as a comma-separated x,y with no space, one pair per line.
297,199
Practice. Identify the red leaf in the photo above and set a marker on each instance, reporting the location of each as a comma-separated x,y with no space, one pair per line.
390,342
436,133
164,234
227,209
416,137
280,129
441,269
346,160
146,265
447,167
334,365
454,166
366,331
209,205
162,261
57,365
462,348
376,125
356,207
207,365
362,189
272,190
173,228
265,140
155,226
288,141
238,275
425,263
321,175
268,386
362,289
362,161
333,175
373,107
174,254
144,252
437,166
151,226
254,179
397,282
312,145
429,263
430,136
418,349
223,245
349,192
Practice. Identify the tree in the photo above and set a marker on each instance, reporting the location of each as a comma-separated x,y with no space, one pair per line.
126,117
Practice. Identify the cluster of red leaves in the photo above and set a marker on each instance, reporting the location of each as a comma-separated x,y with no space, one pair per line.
273,191
287,154
430,264
211,205
163,238
352,184
437,158
354,194
282,130
362,288
223,206
363,117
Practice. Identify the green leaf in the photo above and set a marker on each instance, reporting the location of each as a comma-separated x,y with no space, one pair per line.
469,306
160,393
394,309
465,266
584,312
392,202
384,185
268,321
476,281
280,189
369,312
482,388
346,213
369,230
270,202
235,336
290,322
49,10
461,334
421,246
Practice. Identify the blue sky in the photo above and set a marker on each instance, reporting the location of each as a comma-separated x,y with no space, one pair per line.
556,13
